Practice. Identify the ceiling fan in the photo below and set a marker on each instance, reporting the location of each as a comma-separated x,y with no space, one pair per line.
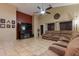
43,11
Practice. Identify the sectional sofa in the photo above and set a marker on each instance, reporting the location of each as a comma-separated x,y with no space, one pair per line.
56,35
62,45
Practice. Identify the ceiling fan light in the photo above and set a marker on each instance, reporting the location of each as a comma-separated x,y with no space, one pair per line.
42,12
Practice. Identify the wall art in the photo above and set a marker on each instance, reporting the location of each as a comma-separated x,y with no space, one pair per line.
8,25
13,26
2,20
13,21
8,21
57,16
2,25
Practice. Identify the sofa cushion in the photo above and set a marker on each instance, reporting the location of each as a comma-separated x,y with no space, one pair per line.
73,47
61,43
64,38
55,37
76,34
57,49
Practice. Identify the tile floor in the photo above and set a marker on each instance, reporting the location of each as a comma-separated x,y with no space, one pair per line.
25,47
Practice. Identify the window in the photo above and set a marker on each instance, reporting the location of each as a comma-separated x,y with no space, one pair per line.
66,25
50,26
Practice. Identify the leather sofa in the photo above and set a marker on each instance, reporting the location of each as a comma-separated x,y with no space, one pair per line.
65,46
55,35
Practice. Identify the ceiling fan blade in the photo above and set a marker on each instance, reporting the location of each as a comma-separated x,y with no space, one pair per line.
38,7
48,12
49,8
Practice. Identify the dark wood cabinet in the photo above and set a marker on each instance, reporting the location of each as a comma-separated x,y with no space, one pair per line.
25,30
25,20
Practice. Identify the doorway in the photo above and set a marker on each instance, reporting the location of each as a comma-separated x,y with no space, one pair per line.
41,28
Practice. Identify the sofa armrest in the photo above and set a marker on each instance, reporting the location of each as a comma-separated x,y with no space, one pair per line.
57,49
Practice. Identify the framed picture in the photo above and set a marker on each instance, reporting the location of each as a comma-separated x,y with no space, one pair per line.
8,21
13,21
8,25
2,25
2,20
57,16
13,26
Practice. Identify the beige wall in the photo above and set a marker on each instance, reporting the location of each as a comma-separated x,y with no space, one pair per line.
7,12
67,13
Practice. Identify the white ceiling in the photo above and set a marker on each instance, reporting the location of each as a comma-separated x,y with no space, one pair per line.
29,8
